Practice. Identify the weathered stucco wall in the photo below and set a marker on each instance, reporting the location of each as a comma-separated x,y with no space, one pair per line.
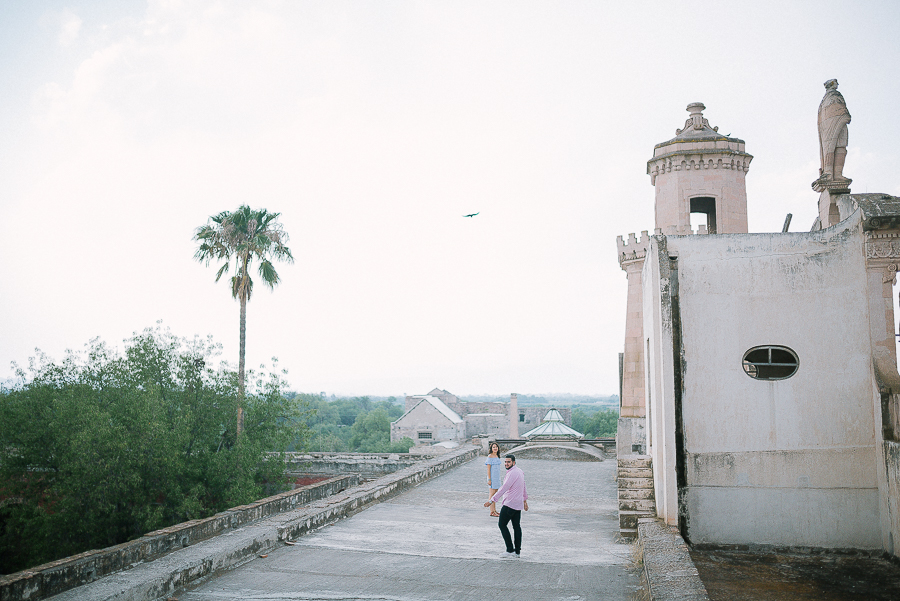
660,386
786,462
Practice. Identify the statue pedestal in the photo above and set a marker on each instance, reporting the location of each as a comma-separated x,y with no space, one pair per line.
829,189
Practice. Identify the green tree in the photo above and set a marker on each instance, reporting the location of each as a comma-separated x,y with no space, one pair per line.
357,424
371,433
104,447
244,235
595,424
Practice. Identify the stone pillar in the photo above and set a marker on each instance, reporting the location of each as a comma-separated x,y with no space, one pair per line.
513,415
631,260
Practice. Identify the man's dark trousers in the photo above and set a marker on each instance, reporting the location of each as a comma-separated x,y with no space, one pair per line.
508,515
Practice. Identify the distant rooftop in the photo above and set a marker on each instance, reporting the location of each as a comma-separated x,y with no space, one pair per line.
438,404
553,426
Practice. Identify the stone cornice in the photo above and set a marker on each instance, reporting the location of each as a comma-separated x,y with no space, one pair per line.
698,161
879,211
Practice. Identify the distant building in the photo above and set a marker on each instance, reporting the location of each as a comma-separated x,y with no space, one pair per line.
497,419
428,420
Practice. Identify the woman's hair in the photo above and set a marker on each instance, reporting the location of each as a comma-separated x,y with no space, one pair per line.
491,448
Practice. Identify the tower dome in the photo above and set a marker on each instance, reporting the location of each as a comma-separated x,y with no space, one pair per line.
700,171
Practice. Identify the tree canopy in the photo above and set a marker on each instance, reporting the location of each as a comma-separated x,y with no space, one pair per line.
596,423
355,425
103,447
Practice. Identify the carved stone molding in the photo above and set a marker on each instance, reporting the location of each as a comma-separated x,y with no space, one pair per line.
882,222
883,247
693,160
827,182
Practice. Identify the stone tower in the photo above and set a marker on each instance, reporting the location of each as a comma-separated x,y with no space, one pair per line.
701,172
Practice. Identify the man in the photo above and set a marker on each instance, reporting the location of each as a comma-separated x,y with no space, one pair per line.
515,498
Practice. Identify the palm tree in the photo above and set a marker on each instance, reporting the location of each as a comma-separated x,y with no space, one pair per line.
244,235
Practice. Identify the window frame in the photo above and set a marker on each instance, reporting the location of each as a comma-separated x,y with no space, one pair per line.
748,365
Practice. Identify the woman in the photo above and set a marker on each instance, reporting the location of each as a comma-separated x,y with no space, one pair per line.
494,473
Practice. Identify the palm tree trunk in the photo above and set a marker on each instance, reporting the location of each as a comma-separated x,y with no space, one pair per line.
241,360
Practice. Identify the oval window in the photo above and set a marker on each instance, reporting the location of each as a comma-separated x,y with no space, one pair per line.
770,362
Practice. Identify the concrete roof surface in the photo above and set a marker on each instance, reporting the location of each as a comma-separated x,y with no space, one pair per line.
437,542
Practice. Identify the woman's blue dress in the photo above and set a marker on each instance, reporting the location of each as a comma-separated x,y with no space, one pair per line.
496,472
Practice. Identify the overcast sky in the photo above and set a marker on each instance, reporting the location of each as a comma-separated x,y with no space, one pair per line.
372,127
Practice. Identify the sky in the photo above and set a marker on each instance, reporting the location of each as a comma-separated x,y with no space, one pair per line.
372,128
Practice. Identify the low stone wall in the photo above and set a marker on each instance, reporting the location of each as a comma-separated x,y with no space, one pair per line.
368,465
63,574
607,445
555,452
378,490
153,580
669,572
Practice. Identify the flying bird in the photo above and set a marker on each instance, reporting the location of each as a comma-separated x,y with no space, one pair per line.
471,214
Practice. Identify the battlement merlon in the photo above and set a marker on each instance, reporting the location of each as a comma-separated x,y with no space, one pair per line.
634,250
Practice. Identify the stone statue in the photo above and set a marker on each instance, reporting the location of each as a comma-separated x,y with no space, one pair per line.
833,120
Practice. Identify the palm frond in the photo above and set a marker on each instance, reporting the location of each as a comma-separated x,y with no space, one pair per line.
268,273
222,270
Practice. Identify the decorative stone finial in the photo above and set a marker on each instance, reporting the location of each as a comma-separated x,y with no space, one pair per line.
696,120
696,111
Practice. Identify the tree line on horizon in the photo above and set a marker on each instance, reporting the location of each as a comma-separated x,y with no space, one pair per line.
356,424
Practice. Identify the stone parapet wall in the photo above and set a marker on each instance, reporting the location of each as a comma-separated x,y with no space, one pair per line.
368,465
63,574
669,571
159,576
376,491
